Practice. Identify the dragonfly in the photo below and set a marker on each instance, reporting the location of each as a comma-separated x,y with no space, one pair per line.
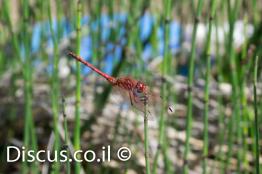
139,93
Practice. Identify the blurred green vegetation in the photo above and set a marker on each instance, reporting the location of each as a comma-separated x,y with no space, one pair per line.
197,55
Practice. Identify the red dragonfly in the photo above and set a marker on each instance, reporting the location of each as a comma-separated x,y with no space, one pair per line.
138,92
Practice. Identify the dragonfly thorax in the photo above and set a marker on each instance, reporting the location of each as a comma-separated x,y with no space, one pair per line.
140,87
139,92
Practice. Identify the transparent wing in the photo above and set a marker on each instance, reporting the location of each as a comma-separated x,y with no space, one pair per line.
156,101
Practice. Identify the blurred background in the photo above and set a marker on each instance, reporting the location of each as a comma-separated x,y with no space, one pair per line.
198,55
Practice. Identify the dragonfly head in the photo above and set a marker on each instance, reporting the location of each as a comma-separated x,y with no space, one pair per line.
140,87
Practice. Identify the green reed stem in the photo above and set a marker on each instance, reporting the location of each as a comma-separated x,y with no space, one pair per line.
206,90
77,133
59,15
146,139
164,89
2,63
15,44
55,88
68,168
256,13
190,86
17,61
29,131
244,68
221,120
96,34
256,117
235,119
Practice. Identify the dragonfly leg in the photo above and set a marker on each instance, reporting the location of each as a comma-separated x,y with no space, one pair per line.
131,100
144,99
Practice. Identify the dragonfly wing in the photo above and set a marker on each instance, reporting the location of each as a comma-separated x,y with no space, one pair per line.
122,96
156,101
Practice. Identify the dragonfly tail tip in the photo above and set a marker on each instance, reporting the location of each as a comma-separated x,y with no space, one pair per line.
70,53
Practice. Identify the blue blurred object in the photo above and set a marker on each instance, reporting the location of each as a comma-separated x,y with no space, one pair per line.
175,34
107,25
36,38
146,25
